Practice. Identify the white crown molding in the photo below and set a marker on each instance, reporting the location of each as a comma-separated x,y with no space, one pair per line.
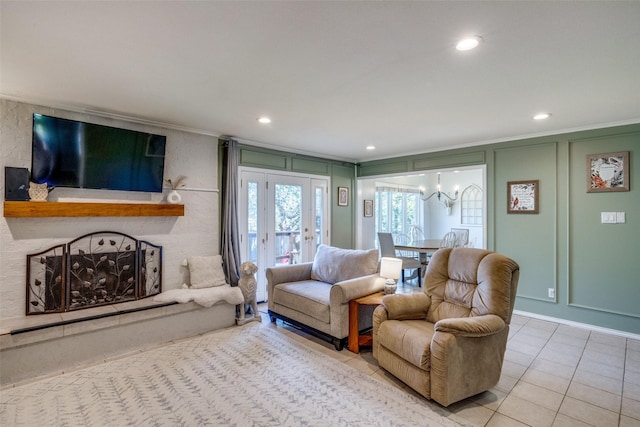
144,121
513,138
106,114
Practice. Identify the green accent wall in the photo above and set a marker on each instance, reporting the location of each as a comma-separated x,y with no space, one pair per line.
593,268
539,231
343,217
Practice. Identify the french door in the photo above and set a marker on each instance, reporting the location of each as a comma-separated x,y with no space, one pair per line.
283,218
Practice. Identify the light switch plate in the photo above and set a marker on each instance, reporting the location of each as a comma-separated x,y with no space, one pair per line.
620,217
608,217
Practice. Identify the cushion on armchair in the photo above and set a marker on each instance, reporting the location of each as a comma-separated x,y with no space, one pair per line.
333,265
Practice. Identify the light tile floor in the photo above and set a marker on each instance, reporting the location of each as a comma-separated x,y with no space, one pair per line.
553,375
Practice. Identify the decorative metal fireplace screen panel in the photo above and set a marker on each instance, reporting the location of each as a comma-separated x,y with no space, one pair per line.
96,269
150,269
45,280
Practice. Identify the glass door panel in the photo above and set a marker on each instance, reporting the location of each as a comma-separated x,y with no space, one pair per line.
252,222
287,223
252,225
283,220
320,208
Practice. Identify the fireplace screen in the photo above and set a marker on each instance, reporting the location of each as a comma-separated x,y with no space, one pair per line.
45,273
96,269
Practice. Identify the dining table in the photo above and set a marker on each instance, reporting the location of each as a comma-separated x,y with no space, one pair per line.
422,247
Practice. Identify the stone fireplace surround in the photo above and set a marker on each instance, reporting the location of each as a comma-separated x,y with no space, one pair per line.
61,338
104,332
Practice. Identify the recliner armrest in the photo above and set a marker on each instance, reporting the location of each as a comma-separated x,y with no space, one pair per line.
476,326
406,306
345,291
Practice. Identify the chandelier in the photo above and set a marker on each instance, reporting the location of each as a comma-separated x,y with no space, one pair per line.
443,198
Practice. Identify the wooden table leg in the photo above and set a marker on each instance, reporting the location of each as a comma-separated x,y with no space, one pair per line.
354,329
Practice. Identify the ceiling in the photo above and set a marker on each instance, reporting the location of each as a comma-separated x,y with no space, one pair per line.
334,77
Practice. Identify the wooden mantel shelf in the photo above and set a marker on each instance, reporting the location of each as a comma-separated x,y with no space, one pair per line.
79,209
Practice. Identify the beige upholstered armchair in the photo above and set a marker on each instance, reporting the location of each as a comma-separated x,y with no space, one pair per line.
315,296
448,343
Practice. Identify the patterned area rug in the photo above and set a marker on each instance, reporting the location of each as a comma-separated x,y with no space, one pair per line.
249,375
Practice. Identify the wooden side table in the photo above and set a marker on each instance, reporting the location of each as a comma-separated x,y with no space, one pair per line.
355,339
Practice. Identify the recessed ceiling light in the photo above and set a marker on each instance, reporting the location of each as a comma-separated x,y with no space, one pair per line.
541,116
371,147
264,120
469,43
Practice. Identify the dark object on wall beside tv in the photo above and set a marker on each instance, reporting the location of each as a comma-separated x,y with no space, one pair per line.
69,153
16,184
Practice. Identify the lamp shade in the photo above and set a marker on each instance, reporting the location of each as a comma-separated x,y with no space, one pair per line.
390,268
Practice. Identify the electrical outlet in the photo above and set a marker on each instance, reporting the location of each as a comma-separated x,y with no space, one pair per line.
552,293
620,217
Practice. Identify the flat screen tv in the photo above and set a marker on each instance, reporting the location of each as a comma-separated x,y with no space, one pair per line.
68,153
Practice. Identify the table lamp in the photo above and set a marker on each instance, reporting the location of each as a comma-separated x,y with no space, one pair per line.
390,269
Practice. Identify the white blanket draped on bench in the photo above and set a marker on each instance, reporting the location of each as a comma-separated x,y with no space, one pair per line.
206,297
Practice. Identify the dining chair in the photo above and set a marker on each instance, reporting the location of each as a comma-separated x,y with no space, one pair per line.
449,240
388,249
415,231
403,239
462,235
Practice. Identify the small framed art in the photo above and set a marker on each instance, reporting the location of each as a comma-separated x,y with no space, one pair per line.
608,172
343,196
368,208
522,197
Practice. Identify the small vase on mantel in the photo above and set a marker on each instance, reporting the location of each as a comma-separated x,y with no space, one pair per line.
174,197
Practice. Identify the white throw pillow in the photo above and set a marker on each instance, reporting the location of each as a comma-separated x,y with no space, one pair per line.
206,271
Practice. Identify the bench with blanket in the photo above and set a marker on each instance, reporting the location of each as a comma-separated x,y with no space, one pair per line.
206,286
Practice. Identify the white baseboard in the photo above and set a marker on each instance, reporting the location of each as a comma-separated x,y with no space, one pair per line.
579,325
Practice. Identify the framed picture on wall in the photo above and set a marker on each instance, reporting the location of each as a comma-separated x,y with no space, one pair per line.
343,196
368,208
608,172
522,197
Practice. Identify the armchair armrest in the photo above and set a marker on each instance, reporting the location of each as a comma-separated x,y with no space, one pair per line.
477,326
289,273
406,306
284,274
345,291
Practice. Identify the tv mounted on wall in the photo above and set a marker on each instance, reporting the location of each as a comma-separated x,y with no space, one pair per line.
69,153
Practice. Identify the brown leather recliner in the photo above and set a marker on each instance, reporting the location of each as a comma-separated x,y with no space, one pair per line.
448,343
